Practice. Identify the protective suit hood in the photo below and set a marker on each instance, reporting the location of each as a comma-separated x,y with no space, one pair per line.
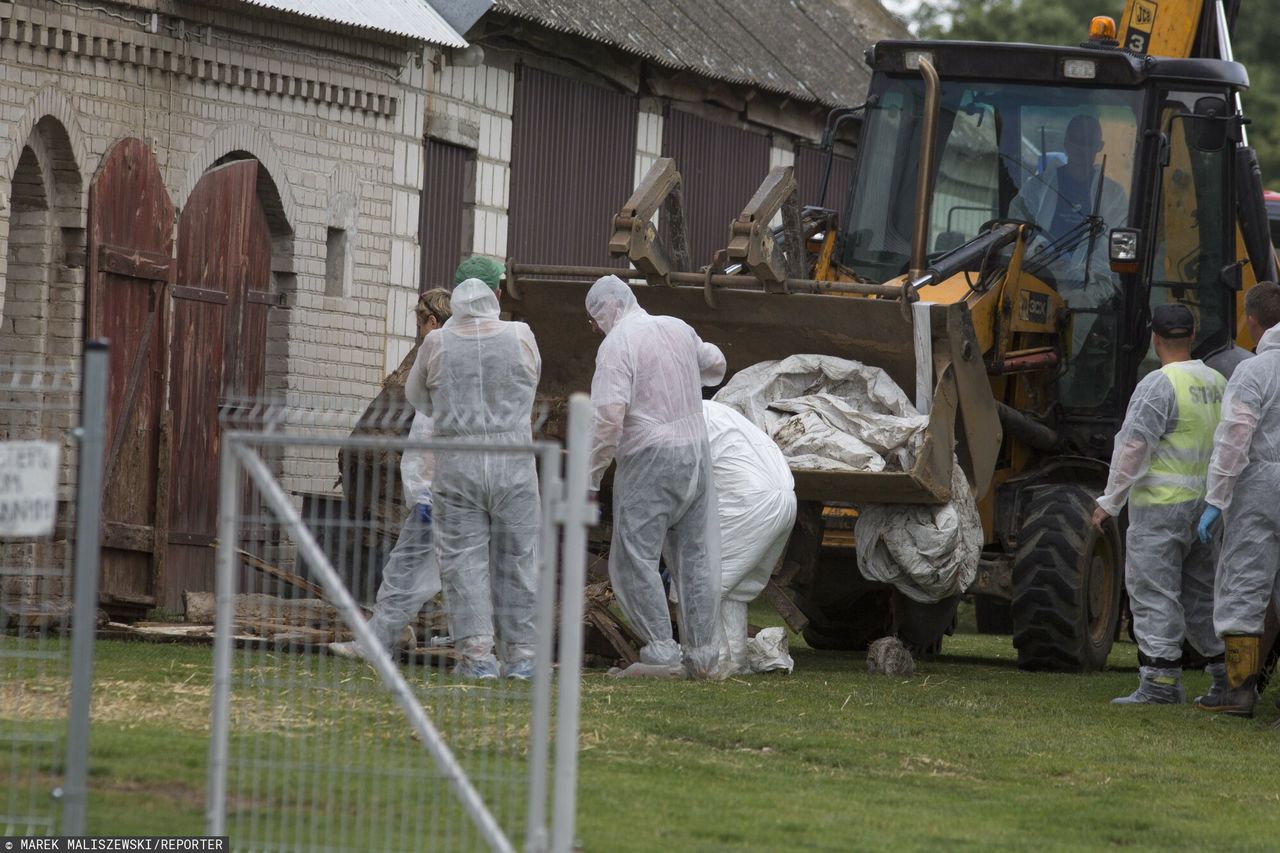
1270,340
473,299
609,300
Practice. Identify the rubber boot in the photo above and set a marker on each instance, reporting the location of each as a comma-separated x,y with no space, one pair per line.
1241,691
1155,687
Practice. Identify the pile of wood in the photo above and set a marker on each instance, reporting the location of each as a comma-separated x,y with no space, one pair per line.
302,623
312,623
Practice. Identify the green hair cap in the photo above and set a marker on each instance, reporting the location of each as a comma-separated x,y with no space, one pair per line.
477,266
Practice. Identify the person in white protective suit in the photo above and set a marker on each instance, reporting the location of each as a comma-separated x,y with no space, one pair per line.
648,415
411,576
477,376
1161,456
756,509
1243,490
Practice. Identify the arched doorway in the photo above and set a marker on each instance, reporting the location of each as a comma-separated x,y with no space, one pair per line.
188,335
221,301
43,292
130,260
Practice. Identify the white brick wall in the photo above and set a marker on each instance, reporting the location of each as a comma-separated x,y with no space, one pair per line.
323,125
472,107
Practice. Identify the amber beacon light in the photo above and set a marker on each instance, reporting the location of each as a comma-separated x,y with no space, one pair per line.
1102,28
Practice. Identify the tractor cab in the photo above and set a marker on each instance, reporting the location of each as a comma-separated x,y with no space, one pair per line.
1119,167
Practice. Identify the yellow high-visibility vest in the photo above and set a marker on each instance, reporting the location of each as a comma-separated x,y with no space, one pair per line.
1180,462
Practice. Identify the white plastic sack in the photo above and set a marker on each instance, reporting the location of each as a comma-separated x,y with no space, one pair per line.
832,414
768,651
829,414
927,552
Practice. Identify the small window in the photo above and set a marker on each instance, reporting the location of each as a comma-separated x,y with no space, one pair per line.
337,265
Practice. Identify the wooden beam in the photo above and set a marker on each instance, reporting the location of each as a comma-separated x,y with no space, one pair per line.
127,537
134,263
786,608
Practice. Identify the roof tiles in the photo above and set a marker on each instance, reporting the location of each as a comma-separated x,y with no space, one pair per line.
808,49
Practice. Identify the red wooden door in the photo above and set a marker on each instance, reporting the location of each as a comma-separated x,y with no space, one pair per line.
257,298
218,351
130,247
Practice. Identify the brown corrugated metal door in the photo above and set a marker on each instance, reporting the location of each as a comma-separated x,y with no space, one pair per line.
573,149
219,351
810,163
446,177
721,167
130,247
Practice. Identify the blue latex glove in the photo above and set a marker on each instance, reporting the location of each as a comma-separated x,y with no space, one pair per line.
1207,520
424,508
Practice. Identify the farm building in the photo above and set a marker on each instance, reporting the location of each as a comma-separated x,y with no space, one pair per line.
228,192
539,131
246,196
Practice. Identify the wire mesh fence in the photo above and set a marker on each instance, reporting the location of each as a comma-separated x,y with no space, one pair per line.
384,648
386,659
50,466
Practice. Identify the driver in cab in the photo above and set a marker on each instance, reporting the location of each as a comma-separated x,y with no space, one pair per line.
1061,200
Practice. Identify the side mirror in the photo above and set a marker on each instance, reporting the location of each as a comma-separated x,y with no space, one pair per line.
1231,276
1210,124
1123,249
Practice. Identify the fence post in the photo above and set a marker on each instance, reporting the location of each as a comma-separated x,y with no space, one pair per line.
579,514
225,583
540,728
93,417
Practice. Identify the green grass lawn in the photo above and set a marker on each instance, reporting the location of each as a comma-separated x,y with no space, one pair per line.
970,753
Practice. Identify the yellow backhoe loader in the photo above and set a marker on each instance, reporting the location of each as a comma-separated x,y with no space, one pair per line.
1020,324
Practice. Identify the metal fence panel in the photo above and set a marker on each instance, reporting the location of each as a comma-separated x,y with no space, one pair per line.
50,484
311,750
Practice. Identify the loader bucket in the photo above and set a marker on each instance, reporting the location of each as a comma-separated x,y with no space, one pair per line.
751,326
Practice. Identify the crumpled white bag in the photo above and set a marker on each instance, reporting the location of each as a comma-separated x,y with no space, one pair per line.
829,414
927,552
768,651
833,414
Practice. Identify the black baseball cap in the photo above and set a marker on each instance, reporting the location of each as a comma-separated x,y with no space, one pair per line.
1173,321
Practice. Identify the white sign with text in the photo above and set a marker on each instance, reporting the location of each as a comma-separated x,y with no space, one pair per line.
28,488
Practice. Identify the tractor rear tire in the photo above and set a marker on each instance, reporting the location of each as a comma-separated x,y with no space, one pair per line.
1067,583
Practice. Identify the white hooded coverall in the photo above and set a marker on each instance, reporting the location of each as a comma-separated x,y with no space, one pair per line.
646,393
1244,482
477,375
411,576
756,509
1161,453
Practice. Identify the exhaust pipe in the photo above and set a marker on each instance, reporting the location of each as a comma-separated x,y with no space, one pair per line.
924,182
